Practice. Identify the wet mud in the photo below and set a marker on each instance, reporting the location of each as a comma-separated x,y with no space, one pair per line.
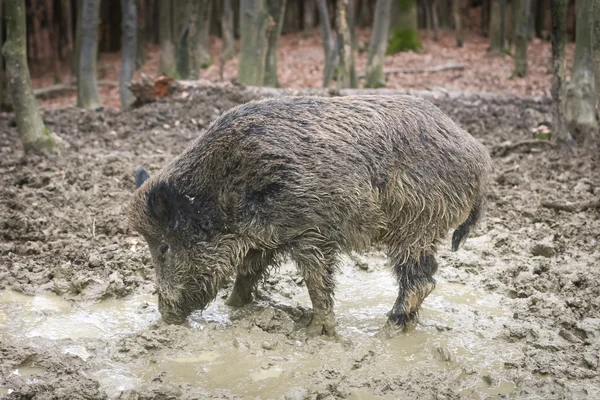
515,314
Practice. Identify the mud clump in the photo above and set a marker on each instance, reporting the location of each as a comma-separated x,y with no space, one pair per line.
63,231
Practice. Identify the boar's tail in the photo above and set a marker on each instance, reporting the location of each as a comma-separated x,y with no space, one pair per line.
140,177
462,232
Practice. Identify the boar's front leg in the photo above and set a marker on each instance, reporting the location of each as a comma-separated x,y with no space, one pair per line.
249,273
415,282
318,266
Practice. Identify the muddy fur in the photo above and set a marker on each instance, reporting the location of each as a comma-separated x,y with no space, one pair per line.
310,177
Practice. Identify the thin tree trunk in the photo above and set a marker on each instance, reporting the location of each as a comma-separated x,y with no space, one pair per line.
522,36
435,20
276,9
227,31
346,72
32,131
254,22
458,28
129,21
404,35
558,11
198,45
329,42
77,51
496,26
4,100
67,14
580,110
596,47
53,38
87,84
167,45
350,16
142,34
485,17
378,44
308,22
540,18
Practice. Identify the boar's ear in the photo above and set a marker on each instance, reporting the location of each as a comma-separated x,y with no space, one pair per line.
141,176
162,203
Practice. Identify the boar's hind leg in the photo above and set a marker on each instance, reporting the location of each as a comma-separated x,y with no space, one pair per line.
415,281
318,268
248,275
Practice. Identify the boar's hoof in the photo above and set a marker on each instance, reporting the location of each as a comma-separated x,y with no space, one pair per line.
237,301
321,325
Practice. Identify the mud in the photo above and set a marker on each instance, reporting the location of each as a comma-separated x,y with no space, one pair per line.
516,313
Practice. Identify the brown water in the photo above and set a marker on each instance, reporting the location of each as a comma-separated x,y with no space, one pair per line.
457,334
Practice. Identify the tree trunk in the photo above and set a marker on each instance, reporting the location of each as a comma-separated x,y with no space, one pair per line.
346,72
32,131
4,100
404,35
329,42
485,17
199,38
596,46
308,18
540,19
67,14
167,46
458,28
580,110
142,34
276,9
87,85
129,20
227,31
350,17
379,38
496,28
558,11
522,36
254,22
292,16
53,38
435,20
77,51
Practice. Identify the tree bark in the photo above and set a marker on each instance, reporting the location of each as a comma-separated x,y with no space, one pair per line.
435,23
522,36
308,18
580,110
496,28
77,50
129,21
142,34
227,31
558,11
596,47
346,71
458,28
276,9
87,85
329,42
67,14
53,38
404,35
34,135
378,44
254,22
198,43
4,100
165,35
540,19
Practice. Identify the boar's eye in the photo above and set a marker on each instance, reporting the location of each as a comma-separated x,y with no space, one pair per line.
163,248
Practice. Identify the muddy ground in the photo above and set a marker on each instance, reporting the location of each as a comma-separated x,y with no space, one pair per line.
516,313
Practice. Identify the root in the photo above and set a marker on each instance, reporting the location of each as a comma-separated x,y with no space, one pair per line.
574,207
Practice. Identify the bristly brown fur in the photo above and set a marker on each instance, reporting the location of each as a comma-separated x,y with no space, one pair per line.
309,177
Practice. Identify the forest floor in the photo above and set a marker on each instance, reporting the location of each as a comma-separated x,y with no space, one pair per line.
300,65
516,313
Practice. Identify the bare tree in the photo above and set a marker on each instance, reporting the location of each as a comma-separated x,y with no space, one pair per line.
254,22
198,46
77,50
129,22
87,84
4,100
596,46
276,9
580,112
308,22
558,10
346,72
329,42
378,44
165,34
228,50
34,135
522,36
496,29
404,34
457,10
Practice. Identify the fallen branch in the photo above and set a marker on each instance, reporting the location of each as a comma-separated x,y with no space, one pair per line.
502,150
573,207
58,89
451,66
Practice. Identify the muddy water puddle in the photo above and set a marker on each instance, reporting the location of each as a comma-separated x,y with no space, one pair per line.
458,334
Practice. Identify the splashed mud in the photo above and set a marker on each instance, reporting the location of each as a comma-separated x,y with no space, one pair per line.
515,314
